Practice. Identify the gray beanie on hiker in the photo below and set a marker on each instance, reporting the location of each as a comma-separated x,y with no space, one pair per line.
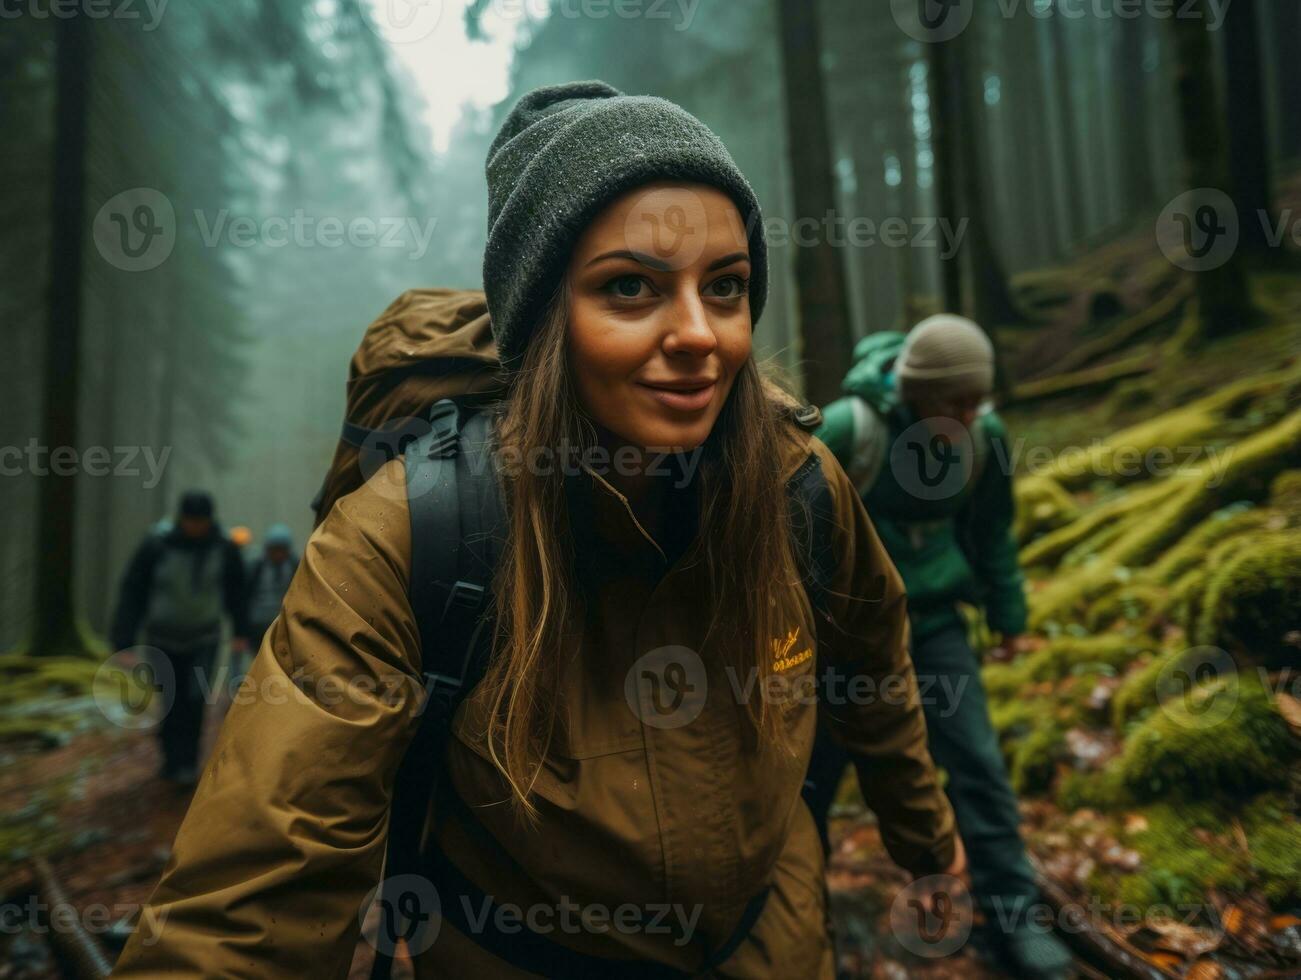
563,154
945,356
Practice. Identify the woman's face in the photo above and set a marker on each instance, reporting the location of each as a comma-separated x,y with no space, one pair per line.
659,313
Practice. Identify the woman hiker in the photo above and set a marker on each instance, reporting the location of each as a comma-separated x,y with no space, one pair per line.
581,828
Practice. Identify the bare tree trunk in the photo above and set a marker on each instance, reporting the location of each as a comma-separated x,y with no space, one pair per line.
1073,172
944,97
1137,172
989,302
1222,292
55,628
1285,28
819,272
1248,127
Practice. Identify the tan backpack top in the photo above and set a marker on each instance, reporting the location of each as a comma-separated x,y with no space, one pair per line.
428,345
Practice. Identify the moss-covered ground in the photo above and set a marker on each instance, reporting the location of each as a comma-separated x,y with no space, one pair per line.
1162,539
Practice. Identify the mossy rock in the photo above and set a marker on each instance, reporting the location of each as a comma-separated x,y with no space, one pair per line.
1285,492
1274,840
1252,604
1035,757
1181,859
1223,738
1135,604
1062,657
1137,692
1186,597
24,677
1193,547
1042,505
1078,790
1015,718
1189,849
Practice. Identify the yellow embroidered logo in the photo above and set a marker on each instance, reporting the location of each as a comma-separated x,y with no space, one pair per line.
782,658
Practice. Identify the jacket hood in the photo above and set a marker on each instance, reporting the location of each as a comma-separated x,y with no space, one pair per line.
872,376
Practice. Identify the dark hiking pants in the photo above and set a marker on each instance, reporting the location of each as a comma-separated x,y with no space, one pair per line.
193,673
963,743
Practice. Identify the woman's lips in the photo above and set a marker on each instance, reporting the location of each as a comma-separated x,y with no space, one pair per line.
692,400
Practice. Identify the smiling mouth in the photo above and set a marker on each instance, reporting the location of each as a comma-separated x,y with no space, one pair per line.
684,398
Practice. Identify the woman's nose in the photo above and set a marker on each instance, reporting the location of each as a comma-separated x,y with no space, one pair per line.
690,328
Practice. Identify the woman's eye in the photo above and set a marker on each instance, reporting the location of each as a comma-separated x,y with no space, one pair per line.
729,287
626,287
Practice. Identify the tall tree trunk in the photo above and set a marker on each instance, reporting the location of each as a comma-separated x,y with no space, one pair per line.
1248,126
54,626
944,98
1138,174
1285,28
819,272
1222,292
1071,163
102,557
1026,66
989,302
169,368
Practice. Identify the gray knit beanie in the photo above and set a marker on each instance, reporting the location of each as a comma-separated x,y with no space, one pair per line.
945,356
563,154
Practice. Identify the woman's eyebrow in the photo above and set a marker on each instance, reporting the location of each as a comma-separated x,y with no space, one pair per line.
660,266
646,260
728,260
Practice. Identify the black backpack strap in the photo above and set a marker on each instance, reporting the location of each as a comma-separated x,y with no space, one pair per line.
813,526
457,527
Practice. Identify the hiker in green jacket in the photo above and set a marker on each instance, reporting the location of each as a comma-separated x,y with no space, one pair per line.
915,435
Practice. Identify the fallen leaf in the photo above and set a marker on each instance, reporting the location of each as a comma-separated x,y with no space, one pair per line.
1135,823
1290,708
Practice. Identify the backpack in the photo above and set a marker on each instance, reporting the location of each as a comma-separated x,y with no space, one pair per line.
418,387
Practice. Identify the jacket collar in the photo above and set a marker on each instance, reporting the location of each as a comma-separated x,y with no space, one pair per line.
606,527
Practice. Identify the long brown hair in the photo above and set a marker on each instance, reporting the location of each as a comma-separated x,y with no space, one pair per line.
743,541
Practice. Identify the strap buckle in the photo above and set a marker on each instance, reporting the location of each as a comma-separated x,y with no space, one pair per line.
442,691
465,595
444,420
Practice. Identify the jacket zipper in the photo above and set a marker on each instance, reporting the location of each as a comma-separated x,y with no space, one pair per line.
626,506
